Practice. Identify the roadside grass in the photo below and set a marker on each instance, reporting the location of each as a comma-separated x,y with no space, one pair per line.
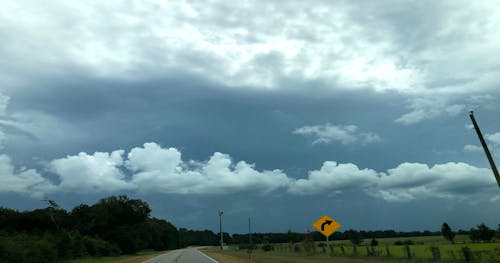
420,252
275,257
139,257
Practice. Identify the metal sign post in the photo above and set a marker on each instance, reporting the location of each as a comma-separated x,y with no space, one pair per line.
326,226
327,252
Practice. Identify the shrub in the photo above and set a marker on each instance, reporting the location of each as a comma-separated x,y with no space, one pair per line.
267,247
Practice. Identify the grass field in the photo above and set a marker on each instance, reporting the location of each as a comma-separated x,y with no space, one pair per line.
420,252
276,257
139,257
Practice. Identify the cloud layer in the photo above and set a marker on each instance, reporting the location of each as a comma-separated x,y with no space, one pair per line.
345,134
345,45
154,169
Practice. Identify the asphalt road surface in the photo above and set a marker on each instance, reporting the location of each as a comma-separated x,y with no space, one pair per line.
188,255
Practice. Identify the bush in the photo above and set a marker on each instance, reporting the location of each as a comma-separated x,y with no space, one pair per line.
267,247
246,246
406,242
27,249
98,248
296,248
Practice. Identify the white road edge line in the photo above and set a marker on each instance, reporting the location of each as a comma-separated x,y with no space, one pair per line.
207,256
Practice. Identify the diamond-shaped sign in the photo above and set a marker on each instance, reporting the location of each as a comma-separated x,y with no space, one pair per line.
326,225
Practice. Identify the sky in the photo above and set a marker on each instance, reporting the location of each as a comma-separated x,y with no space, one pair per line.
278,111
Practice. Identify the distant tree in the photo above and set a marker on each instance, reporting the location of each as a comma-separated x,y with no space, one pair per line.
354,236
481,233
374,242
447,233
474,235
498,231
485,233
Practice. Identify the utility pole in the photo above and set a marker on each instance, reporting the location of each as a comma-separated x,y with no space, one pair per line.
220,229
250,236
485,147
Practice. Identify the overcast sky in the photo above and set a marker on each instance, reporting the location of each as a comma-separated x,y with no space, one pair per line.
280,111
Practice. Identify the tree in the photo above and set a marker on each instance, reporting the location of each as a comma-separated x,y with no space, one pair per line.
447,233
474,235
374,242
485,233
482,232
354,236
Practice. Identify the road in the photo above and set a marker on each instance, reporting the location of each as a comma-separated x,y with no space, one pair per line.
188,255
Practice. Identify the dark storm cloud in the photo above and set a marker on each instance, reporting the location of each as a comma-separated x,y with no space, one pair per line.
239,79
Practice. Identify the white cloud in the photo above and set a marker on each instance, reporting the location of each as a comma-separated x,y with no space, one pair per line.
408,181
411,181
334,178
162,170
425,108
494,138
472,148
345,134
4,103
91,173
23,181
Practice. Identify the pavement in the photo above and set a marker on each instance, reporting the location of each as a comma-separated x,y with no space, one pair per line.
187,255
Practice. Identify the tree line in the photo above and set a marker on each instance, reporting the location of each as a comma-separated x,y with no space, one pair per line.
120,225
114,225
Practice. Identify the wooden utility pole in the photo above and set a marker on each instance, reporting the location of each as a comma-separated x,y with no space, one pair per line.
485,147
250,236
220,229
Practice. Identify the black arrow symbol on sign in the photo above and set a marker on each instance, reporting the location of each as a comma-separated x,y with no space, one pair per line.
327,222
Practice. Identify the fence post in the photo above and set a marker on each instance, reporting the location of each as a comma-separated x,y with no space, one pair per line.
436,253
387,250
408,251
467,254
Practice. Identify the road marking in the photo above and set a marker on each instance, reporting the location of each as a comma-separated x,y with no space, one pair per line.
213,260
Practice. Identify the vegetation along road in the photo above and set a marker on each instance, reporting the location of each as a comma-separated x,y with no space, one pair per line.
189,255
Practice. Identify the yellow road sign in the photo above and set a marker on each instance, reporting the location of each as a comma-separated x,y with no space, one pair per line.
326,225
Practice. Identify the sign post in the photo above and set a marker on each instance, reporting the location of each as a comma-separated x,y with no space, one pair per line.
326,226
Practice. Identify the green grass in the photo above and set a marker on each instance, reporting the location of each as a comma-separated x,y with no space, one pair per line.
100,259
139,257
483,252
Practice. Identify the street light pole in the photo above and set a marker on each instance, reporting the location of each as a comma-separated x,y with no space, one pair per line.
220,229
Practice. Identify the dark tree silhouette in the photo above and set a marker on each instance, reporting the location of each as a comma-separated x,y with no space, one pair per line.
354,236
447,233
